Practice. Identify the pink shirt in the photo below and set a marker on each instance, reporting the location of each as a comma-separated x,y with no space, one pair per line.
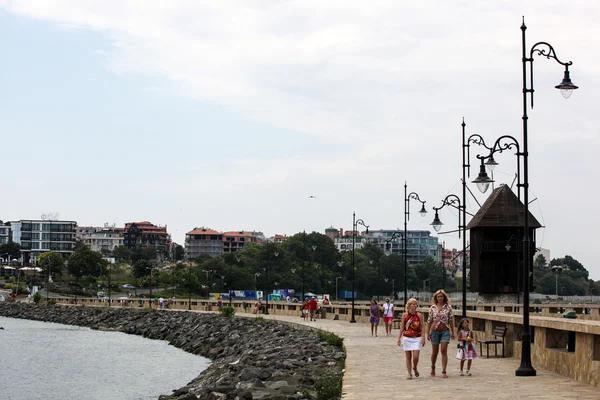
437,316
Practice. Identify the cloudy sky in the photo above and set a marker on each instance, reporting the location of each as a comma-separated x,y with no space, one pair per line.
230,114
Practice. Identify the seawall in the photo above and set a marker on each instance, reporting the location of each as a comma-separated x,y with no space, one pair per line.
251,358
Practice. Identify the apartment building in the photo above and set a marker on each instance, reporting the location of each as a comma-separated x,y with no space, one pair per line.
4,233
38,236
104,239
146,234
234,241
419,244
201,241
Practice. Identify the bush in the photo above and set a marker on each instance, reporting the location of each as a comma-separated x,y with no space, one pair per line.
228,311
37,297
329,386
22,288
330,338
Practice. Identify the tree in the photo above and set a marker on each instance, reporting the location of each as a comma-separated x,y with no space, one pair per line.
86,262
122,253
540,261
10,249
142,268
143,253
569,261
51,262
179,252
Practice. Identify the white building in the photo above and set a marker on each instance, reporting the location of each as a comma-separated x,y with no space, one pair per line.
104,239
39,236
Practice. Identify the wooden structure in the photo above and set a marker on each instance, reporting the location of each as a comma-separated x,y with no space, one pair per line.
496,250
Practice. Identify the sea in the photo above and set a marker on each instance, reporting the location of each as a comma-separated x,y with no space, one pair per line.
41,360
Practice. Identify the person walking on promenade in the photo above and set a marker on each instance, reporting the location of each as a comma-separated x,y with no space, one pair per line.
412,336
305,309
440,329
466,348
388,316
312,307
374,310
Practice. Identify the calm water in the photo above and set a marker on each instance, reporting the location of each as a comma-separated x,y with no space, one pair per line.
40,360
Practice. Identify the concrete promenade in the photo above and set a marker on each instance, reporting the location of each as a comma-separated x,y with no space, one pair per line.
375,369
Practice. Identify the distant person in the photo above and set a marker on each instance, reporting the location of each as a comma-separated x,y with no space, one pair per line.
440,329
326,301
466,348
161,302
257,307
388,316
312,308
374,319
305,309
220,303
288,299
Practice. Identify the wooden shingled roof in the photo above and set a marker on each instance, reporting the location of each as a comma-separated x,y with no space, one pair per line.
502,209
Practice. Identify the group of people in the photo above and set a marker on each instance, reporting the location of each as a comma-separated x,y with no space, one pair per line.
387,310
309,309
440,330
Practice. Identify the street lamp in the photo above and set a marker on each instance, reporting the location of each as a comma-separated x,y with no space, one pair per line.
557,269
395,236
355,223
276,254
566,87
452,200
339,277
189,288
422,212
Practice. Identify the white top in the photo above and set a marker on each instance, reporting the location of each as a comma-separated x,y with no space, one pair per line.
388,310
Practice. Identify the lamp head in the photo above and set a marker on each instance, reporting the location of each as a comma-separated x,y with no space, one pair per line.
483,180
423,211
491,163
566,86
437,224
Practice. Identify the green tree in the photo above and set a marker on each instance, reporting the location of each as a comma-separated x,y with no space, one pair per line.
10,249
122,253
179,252
142,268
86,262
51,262
143,253
540,261
569,261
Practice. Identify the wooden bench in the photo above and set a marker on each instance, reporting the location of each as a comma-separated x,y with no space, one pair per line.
499,334
396,323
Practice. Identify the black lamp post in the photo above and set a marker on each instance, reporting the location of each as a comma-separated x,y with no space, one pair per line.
355,223
303,265
267,285
452,200
422,212
189,288
566,87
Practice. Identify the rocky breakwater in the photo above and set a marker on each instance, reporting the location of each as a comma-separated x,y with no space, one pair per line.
251,358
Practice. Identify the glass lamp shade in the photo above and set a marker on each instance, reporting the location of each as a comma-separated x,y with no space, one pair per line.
423,211
507,247
491,163
566,87
437,224
483,180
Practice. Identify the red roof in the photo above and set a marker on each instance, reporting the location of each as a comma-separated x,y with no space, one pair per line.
203,231
235,233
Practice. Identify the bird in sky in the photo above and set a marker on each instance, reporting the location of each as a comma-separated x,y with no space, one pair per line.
312,197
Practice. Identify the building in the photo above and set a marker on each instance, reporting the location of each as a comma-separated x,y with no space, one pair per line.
234,241
420,244
104,239
201,241
146,234
39,236
333,233
4,233
278,238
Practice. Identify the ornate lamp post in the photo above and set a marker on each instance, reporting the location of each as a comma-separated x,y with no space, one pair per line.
355,223
423,212
452,200
276,254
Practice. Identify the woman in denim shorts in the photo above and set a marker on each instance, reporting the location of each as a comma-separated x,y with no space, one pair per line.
440,329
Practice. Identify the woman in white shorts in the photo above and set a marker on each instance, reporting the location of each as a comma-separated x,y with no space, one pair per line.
412,336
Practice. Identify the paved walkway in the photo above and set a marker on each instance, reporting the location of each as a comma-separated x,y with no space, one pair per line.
375,369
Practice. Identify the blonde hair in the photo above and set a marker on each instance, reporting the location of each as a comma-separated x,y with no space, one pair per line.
409,302
446,298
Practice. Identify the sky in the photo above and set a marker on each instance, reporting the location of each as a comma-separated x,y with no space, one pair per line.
231,114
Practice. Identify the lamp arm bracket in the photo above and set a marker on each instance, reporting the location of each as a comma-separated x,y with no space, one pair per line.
545,49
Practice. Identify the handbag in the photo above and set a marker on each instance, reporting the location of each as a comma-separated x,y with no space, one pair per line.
460,354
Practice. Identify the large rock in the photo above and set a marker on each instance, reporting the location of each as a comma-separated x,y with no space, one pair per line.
252,359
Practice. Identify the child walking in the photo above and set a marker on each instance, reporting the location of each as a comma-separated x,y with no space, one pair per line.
466,347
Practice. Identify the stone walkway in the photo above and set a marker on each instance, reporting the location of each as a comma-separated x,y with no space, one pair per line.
375,369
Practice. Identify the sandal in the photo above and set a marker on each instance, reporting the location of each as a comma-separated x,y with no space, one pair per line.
409,377
444,374
432,373
416,372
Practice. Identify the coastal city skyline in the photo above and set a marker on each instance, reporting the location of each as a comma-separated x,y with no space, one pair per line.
289,117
